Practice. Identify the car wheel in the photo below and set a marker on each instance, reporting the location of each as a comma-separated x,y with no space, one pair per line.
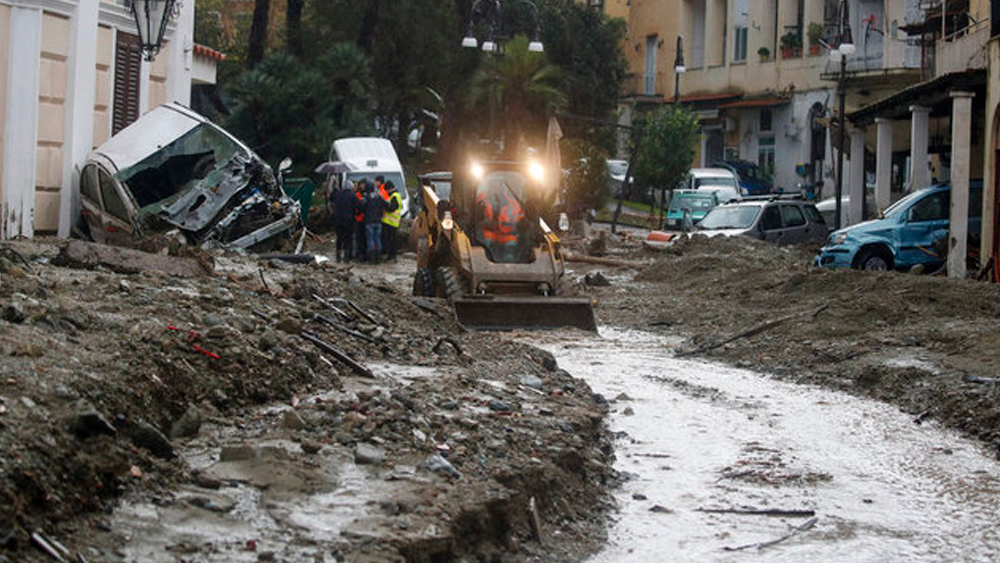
874,259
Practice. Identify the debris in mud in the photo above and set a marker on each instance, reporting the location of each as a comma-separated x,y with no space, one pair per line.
738,286
97,348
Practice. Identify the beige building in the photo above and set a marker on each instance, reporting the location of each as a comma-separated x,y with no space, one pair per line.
71,75
759,75
613,8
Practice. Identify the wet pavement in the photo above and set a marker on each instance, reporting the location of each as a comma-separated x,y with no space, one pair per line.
696,438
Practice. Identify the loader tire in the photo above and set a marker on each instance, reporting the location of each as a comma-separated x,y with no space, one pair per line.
423,283
449,283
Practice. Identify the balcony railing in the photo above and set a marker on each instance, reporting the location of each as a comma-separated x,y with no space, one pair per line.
962,50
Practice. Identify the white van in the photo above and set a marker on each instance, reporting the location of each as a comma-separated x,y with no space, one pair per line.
368,157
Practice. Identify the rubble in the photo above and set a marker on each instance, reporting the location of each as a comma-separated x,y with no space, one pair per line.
917,341
217,359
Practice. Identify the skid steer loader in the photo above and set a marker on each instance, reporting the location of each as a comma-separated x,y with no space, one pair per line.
487,250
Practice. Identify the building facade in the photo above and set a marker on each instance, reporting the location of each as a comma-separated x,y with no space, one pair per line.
71,75
759,75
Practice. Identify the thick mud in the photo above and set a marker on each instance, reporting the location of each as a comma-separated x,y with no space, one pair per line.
699,439
275,411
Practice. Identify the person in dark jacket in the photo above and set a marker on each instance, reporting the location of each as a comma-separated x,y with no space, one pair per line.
344,205
374,206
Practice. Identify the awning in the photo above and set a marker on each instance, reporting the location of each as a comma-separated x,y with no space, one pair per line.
934,94
755,103
702,98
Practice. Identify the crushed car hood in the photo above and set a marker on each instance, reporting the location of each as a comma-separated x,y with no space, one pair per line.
184,171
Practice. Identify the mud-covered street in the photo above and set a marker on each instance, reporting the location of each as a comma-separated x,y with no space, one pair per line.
221,407
721,461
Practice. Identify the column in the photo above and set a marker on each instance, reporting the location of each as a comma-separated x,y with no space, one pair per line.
961,151
857,176
20,129
181,47
80,98
920,174
883,162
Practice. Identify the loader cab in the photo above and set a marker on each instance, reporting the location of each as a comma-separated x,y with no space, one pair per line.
500,205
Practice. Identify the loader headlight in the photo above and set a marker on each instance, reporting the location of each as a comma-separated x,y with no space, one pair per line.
447,223
477,171
536,171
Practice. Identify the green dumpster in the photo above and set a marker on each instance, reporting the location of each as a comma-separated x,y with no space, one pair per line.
301,190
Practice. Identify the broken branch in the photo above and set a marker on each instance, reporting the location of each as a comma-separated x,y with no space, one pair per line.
572,257
761,545
342,328
752,331
340,356
333,307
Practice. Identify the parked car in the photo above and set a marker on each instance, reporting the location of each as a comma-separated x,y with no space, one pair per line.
774,219
696,203
752,182
175,169
368,157
910,232
828,208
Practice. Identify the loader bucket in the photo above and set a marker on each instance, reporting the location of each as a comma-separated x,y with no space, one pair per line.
509,313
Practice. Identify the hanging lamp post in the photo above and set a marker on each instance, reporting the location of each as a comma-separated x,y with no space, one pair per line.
151,19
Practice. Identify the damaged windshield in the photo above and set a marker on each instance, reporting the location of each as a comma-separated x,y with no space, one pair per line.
736,217
200,153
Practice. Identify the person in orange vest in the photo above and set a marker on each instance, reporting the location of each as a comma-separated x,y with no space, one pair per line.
380,186
390,220
500,224
359,219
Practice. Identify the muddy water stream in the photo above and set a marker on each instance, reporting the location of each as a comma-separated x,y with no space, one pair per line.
694,436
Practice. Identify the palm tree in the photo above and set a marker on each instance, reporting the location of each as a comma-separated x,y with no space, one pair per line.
525,88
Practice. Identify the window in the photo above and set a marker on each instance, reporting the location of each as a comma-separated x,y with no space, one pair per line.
113,203
771,220
649,84
766,119
88,184
813,214
932,208
128,59
741,26
740,47
791,216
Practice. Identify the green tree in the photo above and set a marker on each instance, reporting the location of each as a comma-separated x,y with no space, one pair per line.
668,142
586,44
587,184
285,107
524,88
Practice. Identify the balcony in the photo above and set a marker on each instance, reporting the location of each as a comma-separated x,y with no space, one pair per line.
636,86
962,50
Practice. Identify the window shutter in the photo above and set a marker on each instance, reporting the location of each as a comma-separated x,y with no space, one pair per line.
128,58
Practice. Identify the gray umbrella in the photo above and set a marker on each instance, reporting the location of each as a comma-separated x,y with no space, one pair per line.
333,167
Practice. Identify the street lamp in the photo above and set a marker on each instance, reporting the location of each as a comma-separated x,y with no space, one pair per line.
844,49
679,69
151,19
492,13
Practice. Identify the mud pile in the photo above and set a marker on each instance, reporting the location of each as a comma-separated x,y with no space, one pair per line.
110,381
928,344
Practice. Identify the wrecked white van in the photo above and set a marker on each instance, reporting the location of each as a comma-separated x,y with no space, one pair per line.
174,169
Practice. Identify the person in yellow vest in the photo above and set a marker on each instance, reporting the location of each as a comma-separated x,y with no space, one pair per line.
390,220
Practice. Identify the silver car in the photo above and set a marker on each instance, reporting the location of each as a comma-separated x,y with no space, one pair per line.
172,169
774,219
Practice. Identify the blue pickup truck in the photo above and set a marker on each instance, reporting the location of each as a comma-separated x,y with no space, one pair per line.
908,233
